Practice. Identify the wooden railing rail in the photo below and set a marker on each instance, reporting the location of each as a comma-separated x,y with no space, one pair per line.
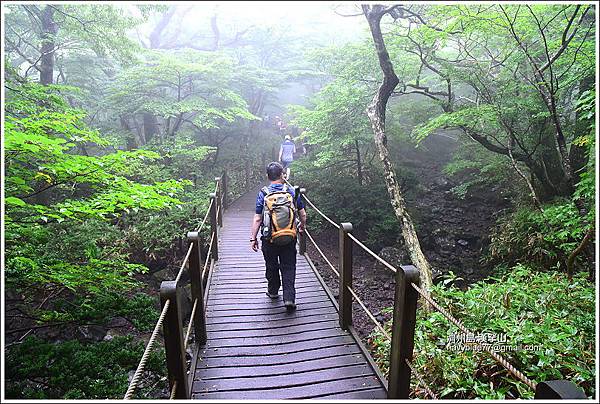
407,292
198,263
200,260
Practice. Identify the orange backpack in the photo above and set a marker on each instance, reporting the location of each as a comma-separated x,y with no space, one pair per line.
279,216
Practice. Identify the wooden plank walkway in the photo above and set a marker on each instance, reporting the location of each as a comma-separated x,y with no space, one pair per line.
256,349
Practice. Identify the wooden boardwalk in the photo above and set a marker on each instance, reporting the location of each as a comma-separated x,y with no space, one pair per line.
257,350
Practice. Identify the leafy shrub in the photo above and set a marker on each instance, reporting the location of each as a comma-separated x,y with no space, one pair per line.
152,235
95,276
476,169
73,370
543,239
343,199
140,309
537,309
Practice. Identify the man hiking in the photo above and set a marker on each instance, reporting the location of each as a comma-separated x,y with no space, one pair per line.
286,154
279,216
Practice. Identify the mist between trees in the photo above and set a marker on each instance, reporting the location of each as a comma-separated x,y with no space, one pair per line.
459,138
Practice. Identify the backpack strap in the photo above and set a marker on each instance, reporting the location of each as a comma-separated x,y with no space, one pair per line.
265,190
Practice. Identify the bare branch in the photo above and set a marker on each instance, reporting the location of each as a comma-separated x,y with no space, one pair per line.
425,23
566,40
335,10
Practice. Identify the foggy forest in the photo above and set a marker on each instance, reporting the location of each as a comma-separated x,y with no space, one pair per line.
457,139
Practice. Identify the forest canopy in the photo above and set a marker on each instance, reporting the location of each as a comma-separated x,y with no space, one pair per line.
459,138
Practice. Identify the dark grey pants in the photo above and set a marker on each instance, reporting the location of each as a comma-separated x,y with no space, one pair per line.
280,258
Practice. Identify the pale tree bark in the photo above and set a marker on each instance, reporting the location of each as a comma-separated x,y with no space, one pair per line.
376,113
536,201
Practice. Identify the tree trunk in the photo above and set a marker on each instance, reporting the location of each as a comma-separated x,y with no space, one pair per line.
561,145
246,153
376,113
257,105
216,155
548,171
150,126
131,138
578,154
49,31
157,34
177,125
359,168
534,196
263,160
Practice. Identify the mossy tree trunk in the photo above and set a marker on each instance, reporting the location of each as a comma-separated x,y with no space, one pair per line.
376,113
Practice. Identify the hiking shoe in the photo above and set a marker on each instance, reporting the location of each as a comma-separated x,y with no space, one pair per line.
290,305
272,296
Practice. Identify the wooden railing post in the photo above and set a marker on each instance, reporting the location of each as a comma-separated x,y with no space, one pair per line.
403,331
558,390
224,189
345,270
219,201
195,267
173,336
203,251
214,226
301,236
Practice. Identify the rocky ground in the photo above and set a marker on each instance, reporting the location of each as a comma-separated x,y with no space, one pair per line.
453,232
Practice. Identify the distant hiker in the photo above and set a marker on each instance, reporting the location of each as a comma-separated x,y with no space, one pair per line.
277,122
286,154
279,216
282,128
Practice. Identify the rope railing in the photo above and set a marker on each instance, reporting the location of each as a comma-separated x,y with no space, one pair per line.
501,360
171,303
208,255
371,253
190,324
322,253
199,228
515,372
421,381
312,205
142,365
370,314
187,255
183,264
519,375
323,215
